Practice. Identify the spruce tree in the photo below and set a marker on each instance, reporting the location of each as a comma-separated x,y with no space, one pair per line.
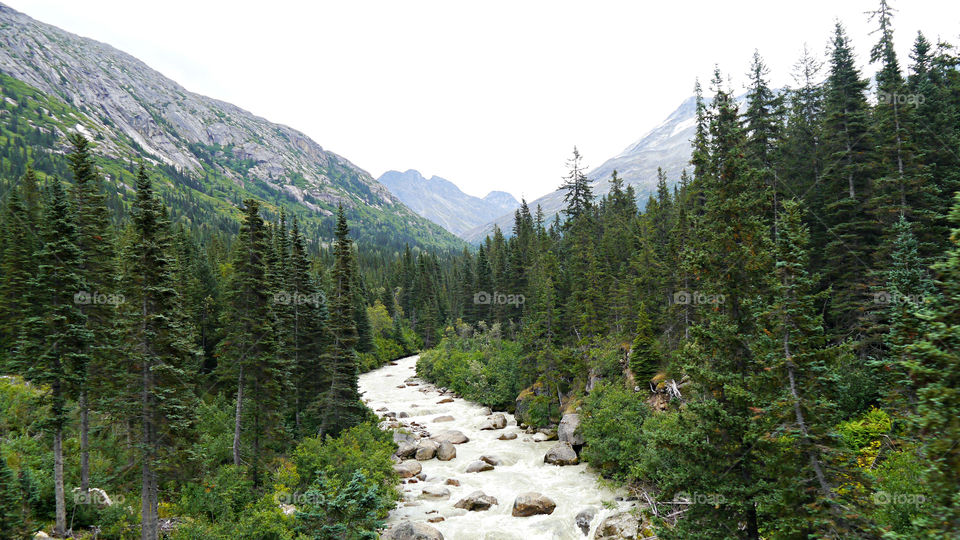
53,349
578,196
18,262
342,406
247,355
157,344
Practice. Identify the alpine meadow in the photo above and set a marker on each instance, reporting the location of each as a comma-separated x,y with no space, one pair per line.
746,325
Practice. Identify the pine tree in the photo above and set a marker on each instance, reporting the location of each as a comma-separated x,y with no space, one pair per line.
645,358
763,121
934,365
342,406
95,240
247,352
17,260
12,523
851,233
52,351
156,341
578,196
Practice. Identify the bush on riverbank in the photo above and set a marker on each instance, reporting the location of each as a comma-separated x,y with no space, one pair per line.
479,365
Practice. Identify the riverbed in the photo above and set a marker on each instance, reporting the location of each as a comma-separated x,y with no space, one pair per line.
573,488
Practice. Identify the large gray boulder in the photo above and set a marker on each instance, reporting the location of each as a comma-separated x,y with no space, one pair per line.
532,503
569,429
446,451
405,450
407,469
426,450
452,436
435,492
622,526
561,454
497,421
479,466
408,530
476,501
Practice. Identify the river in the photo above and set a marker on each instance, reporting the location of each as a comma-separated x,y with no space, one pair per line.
574,488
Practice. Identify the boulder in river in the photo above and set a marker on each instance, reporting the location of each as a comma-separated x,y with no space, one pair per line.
445,400
497,421
507,436
479,466
435,492
426,450
476,501
545,434
408,530
446,451
444,418
405,449
407,469
403,414
584,518
452,436
618,527
561,454
492,460
569,429
532,503
401,435
452,482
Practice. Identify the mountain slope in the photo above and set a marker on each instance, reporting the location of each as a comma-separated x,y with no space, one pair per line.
666,146
198,143
442,202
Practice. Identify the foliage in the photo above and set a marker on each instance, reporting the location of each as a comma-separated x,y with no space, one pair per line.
612,424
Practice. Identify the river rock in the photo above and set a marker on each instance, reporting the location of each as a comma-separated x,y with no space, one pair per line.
435,492
498,421
407,530
485,411
401,435
584,518
452,436
546,434
479,466
492,460
403,414
452,482
532,503
620,526
569,429
507,436
405,449
444,418
389,414
426,449
445,400
476,501
561,454
407,469
446,451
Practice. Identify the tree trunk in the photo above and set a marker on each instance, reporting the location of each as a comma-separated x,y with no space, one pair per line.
801,423
84,444
148,486
236,420
60,528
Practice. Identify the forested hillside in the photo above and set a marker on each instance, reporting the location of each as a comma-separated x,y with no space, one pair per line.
769,350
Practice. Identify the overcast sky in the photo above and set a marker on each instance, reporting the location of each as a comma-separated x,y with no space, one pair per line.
491,95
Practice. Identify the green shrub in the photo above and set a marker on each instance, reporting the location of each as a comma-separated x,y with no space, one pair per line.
334,510
612,423
220,497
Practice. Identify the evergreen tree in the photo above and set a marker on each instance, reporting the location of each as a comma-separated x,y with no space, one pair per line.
247,351
52,351
342,406
157,342
645,356
578,196
12,523
17,260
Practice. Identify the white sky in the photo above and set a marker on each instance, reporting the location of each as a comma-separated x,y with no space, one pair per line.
491,94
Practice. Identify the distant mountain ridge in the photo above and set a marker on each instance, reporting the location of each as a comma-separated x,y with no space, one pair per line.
443,203
216,151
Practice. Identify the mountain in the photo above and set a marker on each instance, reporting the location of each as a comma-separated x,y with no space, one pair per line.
206,155
442,202
667,146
